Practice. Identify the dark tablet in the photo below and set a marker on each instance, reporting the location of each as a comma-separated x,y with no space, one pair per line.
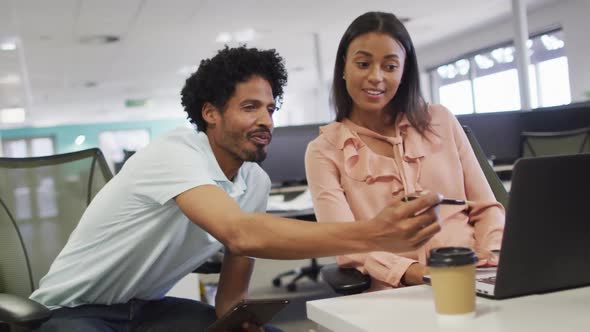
256,311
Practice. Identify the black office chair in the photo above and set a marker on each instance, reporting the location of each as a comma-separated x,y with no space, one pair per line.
536,144
347,281
41,201
311,272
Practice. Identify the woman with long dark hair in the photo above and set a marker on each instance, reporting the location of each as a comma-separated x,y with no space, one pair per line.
388,143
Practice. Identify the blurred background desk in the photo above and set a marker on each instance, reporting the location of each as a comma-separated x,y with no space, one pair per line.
412,309
310,271
289,197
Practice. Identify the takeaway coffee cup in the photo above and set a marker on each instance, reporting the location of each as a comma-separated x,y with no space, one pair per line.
452,273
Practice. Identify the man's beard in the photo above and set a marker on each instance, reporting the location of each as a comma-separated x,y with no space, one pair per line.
232,145
254,156
259,154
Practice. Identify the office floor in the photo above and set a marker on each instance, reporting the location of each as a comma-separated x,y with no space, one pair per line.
293,318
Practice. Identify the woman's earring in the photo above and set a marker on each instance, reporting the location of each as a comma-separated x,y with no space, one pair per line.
343,77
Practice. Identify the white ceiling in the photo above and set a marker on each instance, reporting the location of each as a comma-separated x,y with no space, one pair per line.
60,80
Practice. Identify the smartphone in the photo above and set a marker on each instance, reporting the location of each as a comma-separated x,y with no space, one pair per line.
259,311
444,201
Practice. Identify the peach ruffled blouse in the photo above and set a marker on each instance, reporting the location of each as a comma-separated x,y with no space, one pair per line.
348,182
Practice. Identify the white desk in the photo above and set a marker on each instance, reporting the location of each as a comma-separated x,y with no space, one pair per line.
412,309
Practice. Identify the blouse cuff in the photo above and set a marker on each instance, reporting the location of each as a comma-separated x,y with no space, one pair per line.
492,241
398,270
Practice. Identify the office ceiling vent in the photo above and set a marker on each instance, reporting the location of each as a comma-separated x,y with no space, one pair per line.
99,39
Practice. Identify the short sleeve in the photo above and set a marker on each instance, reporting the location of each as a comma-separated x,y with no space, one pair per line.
164,170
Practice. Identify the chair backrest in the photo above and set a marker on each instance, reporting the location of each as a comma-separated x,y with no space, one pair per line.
536,144
41,202
495,183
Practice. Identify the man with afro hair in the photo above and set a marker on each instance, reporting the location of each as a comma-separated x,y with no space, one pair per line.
190,193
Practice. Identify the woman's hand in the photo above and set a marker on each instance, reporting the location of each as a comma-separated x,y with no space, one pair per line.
488,258
414,274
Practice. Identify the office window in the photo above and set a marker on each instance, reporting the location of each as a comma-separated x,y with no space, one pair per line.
487,81
15,148
113,144
553,81
455,86
28,147
39,193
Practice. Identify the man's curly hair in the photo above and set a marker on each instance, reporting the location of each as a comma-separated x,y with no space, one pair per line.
215,80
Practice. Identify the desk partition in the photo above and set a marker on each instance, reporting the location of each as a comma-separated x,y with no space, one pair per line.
499,133
284,162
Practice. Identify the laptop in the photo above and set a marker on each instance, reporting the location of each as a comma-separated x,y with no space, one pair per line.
546,243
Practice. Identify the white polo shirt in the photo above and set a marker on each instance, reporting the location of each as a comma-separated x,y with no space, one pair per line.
133,241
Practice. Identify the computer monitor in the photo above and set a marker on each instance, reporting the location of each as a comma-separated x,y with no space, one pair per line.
284,162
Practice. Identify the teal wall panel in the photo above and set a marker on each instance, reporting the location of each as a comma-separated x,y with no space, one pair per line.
64,136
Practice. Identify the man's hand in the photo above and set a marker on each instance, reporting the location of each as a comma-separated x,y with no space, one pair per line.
233,281
400,227
406,226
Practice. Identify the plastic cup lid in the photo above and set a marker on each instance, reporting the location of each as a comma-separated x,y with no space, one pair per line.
451,256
